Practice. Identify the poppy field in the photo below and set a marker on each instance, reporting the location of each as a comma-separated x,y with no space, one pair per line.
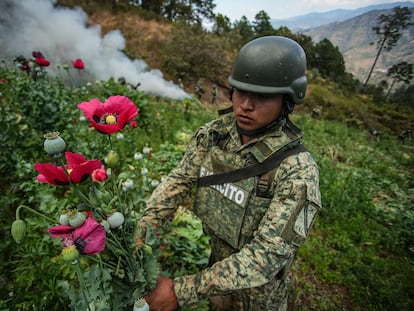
79,158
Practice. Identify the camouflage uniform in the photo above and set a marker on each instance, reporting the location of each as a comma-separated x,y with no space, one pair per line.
254,237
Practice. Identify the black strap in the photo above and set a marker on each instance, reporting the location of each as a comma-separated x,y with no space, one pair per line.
252,170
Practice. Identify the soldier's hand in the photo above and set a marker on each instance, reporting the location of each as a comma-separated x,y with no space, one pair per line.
163,297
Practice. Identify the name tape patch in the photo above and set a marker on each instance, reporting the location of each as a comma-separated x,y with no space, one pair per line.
232,192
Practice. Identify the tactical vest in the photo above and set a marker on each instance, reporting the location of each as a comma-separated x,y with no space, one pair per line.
231,212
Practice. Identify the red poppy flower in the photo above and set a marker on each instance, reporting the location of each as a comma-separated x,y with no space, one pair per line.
25,66
78,64
111,116
133,124
42,62
78,168
89,238
37,54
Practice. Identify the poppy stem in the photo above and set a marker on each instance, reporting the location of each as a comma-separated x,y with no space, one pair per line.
82,284
79,193
79,75
70,78
115,240
110,142
33,211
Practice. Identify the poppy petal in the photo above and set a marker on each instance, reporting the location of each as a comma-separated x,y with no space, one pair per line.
60,231
93,236
51,174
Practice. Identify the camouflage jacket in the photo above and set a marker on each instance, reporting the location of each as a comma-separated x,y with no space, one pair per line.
248,263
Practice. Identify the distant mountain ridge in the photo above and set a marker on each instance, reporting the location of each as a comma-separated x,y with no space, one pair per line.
317,19
357,42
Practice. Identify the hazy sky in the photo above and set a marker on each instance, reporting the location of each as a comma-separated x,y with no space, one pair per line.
280,9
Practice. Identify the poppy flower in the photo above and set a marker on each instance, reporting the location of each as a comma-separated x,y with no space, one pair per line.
78,64
111,116
78,169
99,174
133,124
89,238
37,54
42,62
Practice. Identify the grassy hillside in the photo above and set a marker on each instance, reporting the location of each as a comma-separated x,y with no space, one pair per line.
360,255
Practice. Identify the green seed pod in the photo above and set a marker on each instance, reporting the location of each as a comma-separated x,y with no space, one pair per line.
116,220
147,249
70,253
106,225
77,219
112,159
64,219
141,305
54,144
18,230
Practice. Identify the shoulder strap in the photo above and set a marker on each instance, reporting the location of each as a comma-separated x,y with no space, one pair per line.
252,170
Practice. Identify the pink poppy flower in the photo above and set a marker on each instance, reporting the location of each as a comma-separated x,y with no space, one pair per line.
78,64
99,174
111,116
89,238
78,169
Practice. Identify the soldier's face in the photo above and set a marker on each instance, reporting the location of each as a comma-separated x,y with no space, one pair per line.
254,111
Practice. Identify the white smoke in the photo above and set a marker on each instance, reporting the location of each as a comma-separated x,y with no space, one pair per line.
61,35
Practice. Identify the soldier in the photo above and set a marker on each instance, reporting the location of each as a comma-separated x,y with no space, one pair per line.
257,187
214,94
405,135
199,90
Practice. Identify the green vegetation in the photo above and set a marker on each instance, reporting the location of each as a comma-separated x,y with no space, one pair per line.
360,255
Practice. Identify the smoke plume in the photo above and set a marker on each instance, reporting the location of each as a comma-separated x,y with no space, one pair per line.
61,35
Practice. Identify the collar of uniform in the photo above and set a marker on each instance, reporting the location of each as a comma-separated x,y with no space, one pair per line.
235,136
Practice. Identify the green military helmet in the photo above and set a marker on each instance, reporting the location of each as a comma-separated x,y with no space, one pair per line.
270,65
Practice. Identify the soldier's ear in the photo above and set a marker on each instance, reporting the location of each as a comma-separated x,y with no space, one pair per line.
288,104
231,91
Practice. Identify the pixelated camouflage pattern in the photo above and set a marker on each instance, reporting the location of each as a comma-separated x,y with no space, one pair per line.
249,264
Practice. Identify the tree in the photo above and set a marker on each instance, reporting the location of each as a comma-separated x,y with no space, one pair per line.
189,11
244,29
389,30
152,5
192,53
329,60
401,72
221,25
262,25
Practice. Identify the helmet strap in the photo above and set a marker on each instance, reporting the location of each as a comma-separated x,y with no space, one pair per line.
270,127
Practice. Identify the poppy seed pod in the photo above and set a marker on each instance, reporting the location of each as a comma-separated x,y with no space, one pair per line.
70,253
64,219
112,159
18,230
116,220
141,305
54,145
76,219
